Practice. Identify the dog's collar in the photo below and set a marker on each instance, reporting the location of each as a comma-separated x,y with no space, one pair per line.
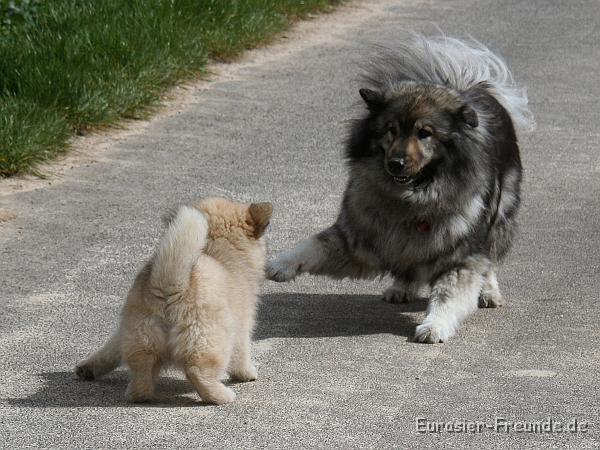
423,226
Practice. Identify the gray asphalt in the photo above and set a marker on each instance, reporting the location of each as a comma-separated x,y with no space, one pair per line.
337,366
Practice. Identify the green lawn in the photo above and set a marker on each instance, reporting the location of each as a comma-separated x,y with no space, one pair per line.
67,66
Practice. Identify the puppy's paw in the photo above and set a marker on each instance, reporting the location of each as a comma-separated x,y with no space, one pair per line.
136,394
245,374
85,371
282,269
220,396
432,333
490,299
395,294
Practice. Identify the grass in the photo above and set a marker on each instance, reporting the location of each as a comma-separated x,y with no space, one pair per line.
68,66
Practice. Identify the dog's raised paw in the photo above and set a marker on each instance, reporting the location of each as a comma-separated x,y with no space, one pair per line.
281,271
490,299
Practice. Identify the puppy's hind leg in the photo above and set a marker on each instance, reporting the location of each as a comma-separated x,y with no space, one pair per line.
325,253
204,372
103,361
144,366
143,352
490,296
453,297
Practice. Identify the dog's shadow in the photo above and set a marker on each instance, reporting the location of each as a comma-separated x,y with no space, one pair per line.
287,315
283,315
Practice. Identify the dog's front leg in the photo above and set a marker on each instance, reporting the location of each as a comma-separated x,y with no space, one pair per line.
325,253
454,296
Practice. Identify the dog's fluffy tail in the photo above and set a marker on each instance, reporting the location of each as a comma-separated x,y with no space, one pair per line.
177,252
451,62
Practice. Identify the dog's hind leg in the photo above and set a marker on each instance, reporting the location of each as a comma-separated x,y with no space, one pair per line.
408,286
453,297
490,296
103,361
325,253
402,291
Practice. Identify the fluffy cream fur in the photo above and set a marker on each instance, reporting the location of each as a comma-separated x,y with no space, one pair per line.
193,304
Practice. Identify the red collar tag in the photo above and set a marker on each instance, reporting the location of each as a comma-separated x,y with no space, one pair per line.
423,226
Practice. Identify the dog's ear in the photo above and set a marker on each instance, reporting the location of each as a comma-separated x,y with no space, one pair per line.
259,216
468,115
373,99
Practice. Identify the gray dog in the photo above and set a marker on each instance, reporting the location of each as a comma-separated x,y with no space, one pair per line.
434,182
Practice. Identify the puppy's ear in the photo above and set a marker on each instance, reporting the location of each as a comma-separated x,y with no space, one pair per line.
168,216
373,99
259,216
468,115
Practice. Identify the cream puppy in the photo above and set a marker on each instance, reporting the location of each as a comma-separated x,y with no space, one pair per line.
193,305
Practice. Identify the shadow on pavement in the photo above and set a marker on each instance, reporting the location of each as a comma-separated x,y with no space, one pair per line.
280,315
327,315
63,389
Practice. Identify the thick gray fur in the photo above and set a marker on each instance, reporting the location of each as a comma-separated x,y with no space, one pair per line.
468,199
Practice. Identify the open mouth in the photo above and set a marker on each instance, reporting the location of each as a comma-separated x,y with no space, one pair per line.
402,179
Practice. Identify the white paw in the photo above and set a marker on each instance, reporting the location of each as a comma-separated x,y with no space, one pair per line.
222,397
282,269
432,332
251,374
490,299
247,374
395,295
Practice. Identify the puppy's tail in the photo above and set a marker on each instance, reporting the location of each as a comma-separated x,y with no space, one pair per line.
177,252
454,63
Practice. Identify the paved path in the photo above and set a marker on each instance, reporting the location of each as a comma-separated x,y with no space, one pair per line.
336,365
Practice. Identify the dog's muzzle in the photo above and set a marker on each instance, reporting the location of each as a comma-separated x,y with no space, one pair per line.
396,168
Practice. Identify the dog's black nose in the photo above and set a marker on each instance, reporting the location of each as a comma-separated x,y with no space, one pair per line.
396,166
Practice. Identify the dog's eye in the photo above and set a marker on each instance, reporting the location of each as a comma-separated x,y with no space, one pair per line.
424,133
